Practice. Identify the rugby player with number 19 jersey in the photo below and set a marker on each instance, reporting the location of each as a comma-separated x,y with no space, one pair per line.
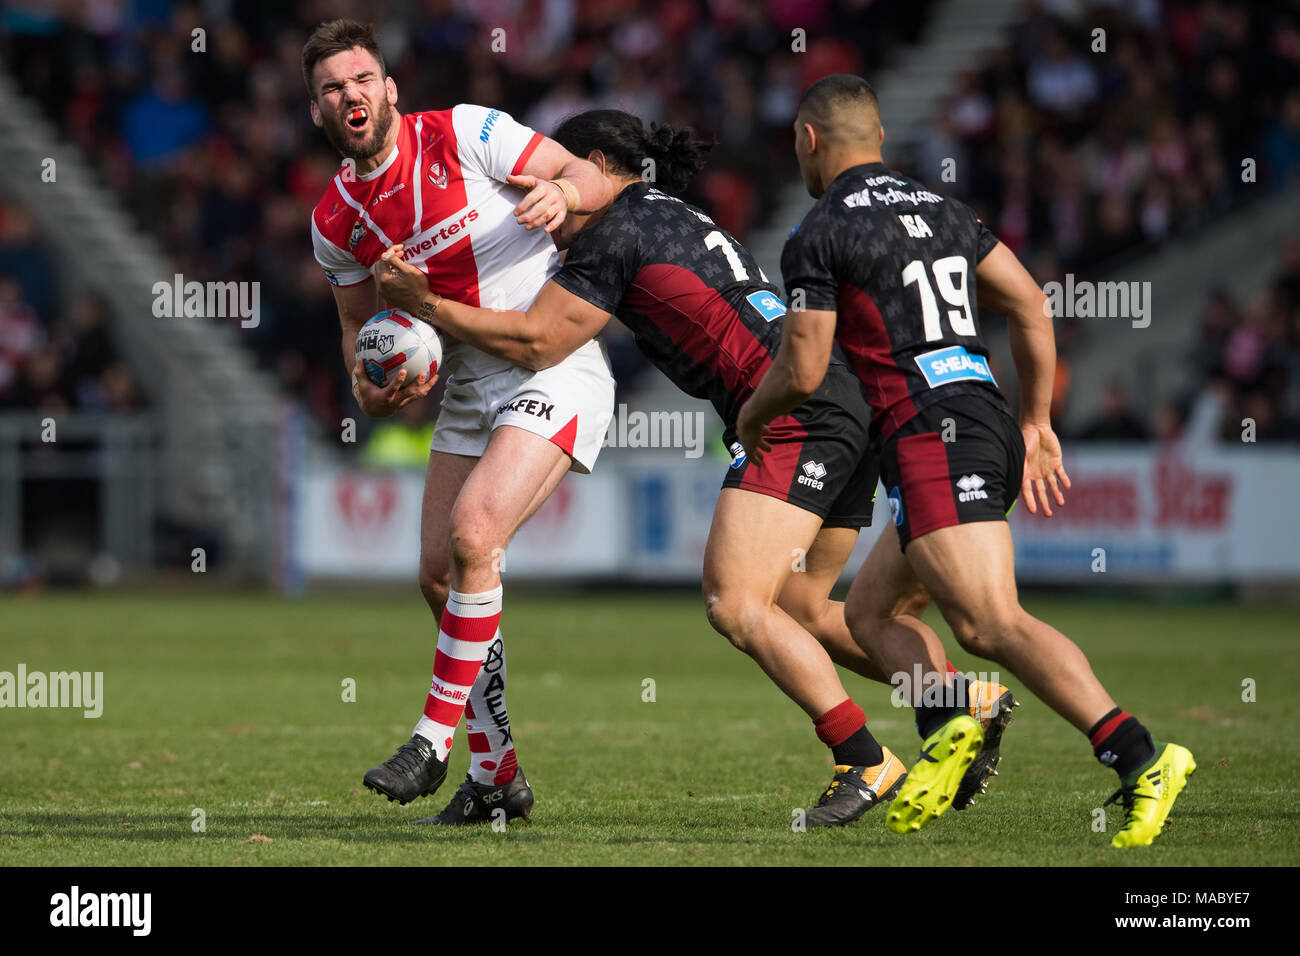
892,272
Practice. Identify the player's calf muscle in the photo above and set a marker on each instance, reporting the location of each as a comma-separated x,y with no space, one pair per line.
444,478
815,617
435,584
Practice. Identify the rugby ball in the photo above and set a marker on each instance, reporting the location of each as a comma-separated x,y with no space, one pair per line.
394,340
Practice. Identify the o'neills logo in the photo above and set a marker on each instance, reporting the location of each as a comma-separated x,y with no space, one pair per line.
446,694
384,195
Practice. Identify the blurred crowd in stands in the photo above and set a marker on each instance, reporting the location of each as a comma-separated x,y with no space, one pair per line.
1245,381
1076,155
215,153
56,352
1248,361
1103,130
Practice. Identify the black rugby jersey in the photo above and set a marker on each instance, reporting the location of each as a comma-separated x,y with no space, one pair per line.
694,298
897,263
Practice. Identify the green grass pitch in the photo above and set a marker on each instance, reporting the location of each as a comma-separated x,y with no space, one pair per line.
233,704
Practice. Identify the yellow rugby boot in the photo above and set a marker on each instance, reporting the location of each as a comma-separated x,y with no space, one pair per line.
932,782
1149,794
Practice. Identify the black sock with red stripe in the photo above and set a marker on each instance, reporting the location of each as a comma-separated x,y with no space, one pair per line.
843,728
1120,742
933,714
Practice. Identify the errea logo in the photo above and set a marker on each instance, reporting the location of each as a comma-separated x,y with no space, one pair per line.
813,473
971,488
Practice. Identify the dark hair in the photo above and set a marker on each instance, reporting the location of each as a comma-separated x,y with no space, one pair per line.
833,92
339,36
678,155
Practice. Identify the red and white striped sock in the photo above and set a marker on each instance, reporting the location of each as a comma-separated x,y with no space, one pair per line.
468,626
487,724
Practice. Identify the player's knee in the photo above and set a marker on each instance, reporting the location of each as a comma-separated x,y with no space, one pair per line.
732,617
985,633
473,545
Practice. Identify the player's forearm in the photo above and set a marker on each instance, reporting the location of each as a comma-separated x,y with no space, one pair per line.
594,190
356,305
504,333
799,366
349,348
784,388
1033,347
1006,287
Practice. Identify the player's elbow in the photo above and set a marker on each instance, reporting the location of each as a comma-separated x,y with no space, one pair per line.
804,381
1031,310
547,350
1040,307
538,355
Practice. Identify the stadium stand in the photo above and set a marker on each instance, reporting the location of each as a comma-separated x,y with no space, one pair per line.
214,153
1107,161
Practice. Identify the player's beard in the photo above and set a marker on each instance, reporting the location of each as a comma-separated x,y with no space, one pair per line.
381,123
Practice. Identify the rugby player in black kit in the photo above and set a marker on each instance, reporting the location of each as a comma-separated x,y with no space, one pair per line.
890,272
704,314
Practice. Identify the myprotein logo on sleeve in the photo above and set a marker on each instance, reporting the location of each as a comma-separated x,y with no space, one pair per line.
485,133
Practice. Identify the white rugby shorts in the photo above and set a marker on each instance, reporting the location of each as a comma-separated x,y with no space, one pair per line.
570,404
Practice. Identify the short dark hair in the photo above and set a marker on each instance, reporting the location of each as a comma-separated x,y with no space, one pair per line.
339,36
832,93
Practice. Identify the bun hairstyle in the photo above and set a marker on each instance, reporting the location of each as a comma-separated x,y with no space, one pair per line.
677,154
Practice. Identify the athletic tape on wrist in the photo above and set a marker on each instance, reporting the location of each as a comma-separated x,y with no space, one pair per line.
570,193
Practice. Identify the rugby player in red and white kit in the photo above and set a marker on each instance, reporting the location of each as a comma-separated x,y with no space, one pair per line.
453,186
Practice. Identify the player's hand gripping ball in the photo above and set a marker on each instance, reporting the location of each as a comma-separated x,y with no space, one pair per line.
394,340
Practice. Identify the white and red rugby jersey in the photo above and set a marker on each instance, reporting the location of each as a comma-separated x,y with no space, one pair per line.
442,194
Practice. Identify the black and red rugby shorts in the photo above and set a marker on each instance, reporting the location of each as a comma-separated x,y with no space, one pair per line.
821,459
975,476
